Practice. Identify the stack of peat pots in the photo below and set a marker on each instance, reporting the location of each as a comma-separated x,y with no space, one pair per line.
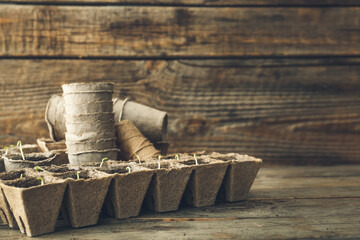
89,121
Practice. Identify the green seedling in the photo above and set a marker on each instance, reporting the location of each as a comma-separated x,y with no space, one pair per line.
21,175
137,156
42,180
196,161
6,150
103,160
159,165
37,168
20,148
78,175
177,157
129,169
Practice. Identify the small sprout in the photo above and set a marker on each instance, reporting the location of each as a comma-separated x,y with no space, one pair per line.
21,175
196,161
12,146
102,161
6,150
159,165
137,156
177,157
42,180
37,168
78,175
129,169
20,148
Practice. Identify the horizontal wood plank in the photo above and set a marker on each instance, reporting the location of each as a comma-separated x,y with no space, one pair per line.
165,32
270,214
297,111
217,3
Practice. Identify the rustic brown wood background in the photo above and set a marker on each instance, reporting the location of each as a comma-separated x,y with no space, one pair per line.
277,79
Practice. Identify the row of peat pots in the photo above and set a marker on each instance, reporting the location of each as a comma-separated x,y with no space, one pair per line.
32,199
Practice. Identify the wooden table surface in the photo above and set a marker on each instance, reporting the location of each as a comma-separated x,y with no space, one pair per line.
284,203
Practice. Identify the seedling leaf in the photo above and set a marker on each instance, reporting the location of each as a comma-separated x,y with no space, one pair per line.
177,156
20,148
102,161
137,156
6,150
42,180
37,168
129,169
78,175
21,176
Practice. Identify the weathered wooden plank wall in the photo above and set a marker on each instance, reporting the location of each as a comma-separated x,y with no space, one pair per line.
276,79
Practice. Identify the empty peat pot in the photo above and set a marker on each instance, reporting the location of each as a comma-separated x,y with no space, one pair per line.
35,204
15,161
239,176
54,117
205,181
167,185
87,87
84,197
151,122
127,189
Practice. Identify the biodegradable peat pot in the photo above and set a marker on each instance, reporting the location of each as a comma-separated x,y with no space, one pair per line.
167,186
87,97
89,136
127,190
54,117
240,175
205,181
82,127
15,161
88,87
92,156
58,148
75,147
92,117
5,212
84,197
94,107
35,207
151,122
132,142
47,144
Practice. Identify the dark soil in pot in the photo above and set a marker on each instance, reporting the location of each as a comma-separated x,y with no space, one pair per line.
127,190
239,177
205,181
15,161
84,198
35,206
167,186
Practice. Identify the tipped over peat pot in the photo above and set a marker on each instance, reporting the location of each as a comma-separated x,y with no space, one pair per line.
15,161
167,185
151,122
84,197
127,189
240,175
205,181
35,207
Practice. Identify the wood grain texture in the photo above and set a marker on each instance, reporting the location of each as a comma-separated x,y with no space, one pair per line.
271,212
128,31
299,111
217,3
